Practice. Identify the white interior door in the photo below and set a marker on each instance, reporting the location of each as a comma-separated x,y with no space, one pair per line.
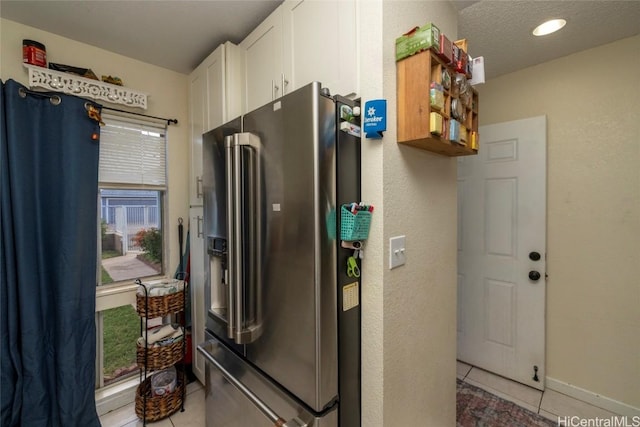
501,226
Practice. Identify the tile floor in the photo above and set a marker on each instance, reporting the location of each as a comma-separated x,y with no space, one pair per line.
549,403
193,415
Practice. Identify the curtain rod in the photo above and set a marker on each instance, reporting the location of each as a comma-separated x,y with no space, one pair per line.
56,99
169,121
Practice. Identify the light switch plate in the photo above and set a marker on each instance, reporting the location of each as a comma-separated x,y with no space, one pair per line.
397,256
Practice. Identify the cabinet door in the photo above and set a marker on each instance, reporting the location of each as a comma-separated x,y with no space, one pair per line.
233,80
320,44
196,281
214,69
197,125
263,62
209,102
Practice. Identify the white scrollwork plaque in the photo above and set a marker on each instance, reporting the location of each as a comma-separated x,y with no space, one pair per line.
88,88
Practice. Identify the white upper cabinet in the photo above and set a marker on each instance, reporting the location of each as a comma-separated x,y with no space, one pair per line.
213,69
263,62
300,42
320,43
197,125
215,96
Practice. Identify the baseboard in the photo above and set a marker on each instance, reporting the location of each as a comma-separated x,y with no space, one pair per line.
592,398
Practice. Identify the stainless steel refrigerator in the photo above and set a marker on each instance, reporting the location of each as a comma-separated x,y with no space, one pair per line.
283,315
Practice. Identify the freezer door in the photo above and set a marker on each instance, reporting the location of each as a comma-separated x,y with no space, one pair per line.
298,342
237,395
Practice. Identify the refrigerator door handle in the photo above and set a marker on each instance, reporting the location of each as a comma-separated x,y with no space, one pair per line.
245,227
230,183
238,252
255,400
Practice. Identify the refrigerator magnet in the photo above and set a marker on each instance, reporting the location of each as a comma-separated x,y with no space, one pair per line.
375,118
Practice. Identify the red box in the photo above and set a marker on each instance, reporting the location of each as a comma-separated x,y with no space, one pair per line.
446,49
461,63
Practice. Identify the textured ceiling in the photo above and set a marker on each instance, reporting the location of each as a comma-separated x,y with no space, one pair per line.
178,35
501,30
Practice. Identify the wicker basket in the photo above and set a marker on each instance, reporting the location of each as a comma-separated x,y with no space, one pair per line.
158,407
160,357
159,306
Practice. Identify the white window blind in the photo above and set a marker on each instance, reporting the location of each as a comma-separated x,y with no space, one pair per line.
132,152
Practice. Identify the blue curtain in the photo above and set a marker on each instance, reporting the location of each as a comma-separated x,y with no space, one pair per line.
48,213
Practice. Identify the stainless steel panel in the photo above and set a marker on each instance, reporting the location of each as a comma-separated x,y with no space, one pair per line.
237,395
298,346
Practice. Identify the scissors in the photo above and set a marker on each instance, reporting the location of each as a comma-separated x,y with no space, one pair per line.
352,267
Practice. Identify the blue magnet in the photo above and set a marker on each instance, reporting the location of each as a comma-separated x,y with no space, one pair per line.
375,118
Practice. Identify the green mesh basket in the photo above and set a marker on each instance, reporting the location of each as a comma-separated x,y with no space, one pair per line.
354,226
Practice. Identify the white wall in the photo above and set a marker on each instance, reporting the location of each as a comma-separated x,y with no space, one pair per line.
409,313
592,103
371,81
420,198
168,98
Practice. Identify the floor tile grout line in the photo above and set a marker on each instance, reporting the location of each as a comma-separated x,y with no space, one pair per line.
540,403
467,374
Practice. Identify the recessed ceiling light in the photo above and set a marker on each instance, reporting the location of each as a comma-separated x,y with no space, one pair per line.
549,27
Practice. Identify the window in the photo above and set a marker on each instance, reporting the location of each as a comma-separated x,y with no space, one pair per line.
131,234
132,190
132,177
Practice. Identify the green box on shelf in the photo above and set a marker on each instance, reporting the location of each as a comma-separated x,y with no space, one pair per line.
418,40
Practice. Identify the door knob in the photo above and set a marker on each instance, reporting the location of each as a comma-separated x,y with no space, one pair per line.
534,256
534,275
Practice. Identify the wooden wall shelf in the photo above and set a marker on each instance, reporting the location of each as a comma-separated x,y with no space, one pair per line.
87,88
414,77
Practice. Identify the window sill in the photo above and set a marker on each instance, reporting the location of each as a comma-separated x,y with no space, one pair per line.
116,396
116,295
